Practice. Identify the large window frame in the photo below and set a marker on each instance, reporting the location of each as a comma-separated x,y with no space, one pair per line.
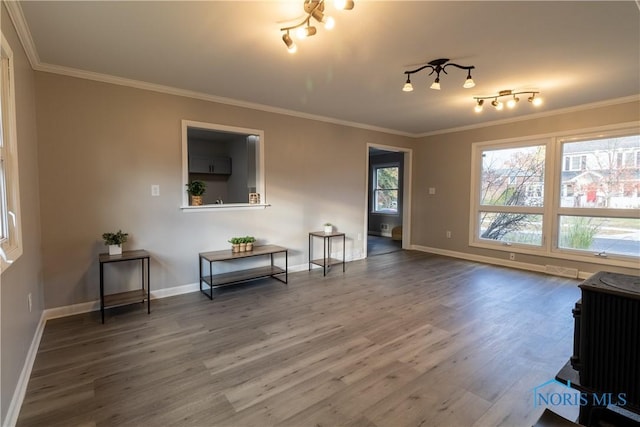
550,210
10,218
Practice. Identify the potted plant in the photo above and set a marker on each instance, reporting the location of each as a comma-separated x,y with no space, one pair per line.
115,241
328,228
249,240
235,244
196,189
243,244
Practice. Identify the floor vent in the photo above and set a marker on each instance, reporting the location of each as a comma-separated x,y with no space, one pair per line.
556,270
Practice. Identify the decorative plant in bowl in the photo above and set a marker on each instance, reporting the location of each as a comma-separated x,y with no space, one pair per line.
196,189
249,240
115,241
242,244
328,228
235,244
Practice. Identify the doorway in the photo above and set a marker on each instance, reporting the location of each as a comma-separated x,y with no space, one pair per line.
387,199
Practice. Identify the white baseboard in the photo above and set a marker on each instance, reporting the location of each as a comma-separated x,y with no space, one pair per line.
494,261
23,380
70,310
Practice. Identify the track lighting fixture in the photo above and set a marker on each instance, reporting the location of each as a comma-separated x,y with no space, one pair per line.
534,99
313,9
437,66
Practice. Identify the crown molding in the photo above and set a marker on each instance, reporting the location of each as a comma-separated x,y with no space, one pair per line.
583,107
106,78
24,34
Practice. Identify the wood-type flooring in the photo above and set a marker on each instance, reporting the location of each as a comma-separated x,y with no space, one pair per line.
402,339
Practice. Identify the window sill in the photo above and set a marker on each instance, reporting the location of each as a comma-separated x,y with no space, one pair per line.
224,207
586,257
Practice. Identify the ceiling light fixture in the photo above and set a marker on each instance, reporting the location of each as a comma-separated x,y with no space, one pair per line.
534,99
313,9
437,66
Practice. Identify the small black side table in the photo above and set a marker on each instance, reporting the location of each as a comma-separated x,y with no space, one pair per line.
130,297
326,262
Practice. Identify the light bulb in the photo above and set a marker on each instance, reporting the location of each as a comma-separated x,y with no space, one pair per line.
436,84
497,104
329,22
512,102
407,87
469,83
478,107
536,101
304,32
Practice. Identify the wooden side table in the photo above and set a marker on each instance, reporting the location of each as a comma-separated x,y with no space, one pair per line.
129,297
326,261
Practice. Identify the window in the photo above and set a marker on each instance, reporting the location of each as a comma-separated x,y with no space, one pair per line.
511,194
590,206
10,232
601,215
385,189
575,163
228,160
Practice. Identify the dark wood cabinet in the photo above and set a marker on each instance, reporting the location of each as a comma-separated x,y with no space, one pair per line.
215,165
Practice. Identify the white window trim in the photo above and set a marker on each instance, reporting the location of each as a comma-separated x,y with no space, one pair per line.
553,193
11,247
260,182
476,168
374,186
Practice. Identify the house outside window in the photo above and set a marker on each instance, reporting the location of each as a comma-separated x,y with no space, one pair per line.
385,188
589,206
603,213
10,225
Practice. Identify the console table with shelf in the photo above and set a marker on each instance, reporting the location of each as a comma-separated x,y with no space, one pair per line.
243,275
128,297
326,261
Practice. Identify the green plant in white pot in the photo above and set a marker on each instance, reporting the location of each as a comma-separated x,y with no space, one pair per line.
114,241
328,228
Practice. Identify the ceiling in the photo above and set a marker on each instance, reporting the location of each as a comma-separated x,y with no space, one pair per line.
574,53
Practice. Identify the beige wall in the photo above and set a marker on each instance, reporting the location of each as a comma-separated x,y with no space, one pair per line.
444,162
102,146
18,325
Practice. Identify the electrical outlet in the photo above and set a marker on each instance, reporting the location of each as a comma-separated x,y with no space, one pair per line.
448,234
155,190
512,256
432,190
29,301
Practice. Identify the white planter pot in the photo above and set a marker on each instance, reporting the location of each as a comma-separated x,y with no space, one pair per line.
328,229
115,249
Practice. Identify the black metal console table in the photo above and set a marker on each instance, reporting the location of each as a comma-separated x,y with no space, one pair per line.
238,276
129,297
326,261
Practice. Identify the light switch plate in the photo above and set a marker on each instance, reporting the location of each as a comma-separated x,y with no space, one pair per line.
155,190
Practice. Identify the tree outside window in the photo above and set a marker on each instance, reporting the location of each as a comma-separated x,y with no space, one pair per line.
590,207
385,193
